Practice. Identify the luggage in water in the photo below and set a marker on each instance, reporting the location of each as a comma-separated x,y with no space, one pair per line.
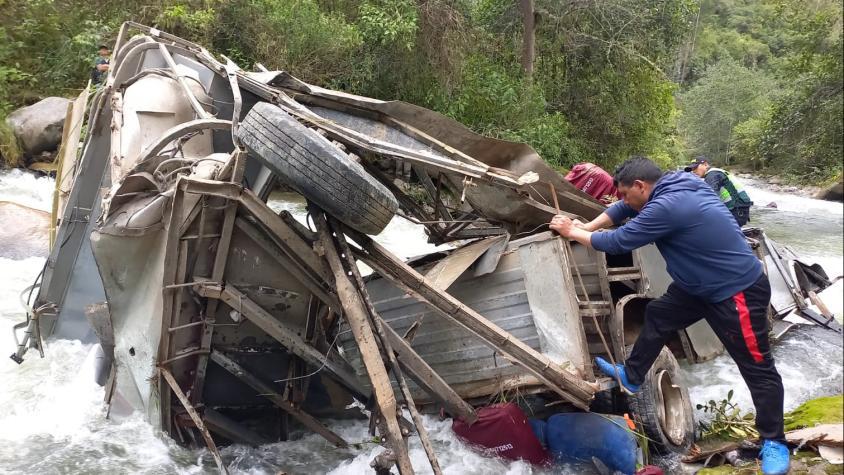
503,430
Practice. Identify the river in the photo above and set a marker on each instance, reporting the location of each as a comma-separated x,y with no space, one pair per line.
52,419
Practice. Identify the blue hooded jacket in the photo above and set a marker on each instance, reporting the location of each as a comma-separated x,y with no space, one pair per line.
704,250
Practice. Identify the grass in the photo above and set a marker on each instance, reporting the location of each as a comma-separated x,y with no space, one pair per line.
10,151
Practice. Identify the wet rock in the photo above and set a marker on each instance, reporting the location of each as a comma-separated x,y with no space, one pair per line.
834,192
38,127
772,204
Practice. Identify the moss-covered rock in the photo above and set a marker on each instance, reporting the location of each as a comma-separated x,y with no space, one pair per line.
804,462
823,410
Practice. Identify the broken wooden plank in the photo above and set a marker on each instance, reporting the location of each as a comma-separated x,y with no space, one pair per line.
355,314
385,342
571,388
426,378
265,390
451,267
288,338
212,447
823,434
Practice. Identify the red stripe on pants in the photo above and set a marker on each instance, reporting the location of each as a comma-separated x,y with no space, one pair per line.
746,328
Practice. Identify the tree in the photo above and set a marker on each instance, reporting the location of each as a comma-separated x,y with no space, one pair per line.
529,40
726,95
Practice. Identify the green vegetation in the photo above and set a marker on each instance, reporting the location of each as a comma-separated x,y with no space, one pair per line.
762,84
740,80
803,462
10,153
728,422
824,410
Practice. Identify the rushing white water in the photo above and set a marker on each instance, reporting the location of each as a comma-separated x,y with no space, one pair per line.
52,418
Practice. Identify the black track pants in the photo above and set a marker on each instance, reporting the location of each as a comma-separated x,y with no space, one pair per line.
741,324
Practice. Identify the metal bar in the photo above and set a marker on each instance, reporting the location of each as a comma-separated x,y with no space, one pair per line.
231,429
182,355
231,74
569,387
604,286
433,192
313,283
212,447
299,251
291,340
355,314
385,342
265,390
792,288
197,107
170,308
187,325
174,133
220,260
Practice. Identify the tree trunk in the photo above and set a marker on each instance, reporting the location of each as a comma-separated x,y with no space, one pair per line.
529,38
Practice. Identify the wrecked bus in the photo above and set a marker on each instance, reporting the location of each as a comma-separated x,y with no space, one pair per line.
225,322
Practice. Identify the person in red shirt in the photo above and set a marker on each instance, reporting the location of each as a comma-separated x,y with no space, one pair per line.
594,181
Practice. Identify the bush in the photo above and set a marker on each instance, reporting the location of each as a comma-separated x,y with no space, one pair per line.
551,136
10,152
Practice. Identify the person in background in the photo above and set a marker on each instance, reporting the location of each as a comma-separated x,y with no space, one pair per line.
715,277
101,65
594,181
726,186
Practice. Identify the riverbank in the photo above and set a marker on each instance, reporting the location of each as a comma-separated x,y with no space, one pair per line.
784,184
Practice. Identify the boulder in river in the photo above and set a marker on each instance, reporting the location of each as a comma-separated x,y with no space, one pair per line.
38,127
833,192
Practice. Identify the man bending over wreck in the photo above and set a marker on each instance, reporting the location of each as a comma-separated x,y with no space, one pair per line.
716,277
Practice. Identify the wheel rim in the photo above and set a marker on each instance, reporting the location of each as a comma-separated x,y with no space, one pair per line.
672,408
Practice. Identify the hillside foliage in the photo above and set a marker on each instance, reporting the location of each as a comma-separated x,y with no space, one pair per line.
739,80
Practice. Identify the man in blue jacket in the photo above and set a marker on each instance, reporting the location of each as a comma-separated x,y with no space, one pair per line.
716,277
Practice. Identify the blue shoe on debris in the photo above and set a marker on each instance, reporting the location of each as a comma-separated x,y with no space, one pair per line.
618,370
775,458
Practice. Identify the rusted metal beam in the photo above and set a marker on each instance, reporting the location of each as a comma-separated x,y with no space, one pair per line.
173,273
568,386
282,256
385,342
197,107
427,379
299,251
238,157
265,390
355,314
288,338
212,447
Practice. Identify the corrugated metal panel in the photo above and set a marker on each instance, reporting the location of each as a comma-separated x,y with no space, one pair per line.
456,354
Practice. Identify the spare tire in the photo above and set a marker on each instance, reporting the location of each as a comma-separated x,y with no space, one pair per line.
314,167
664,407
